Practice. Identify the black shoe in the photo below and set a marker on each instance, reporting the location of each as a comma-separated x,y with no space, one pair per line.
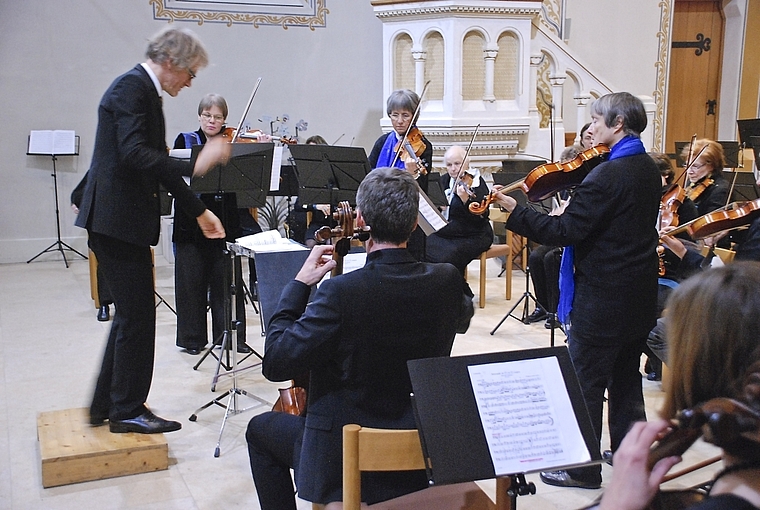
551,323
146,423
244,349
193,351
607,456
538,314
563,479
104,313
654,376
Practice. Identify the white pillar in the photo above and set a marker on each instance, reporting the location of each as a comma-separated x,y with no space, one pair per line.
535,61
489,54
419,55
557,81
580,111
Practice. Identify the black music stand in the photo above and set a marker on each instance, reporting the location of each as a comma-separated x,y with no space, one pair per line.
435,192
748,128
512,413
328,174
248,175
51,151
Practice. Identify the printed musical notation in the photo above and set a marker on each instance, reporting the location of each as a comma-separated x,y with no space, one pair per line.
527,416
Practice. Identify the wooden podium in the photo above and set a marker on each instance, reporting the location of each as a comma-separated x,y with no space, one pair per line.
73,451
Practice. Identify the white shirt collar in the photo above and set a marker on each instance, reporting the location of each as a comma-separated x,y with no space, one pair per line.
153,78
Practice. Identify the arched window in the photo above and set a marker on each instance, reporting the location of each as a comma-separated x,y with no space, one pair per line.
473,66
403,69
506,67
434,65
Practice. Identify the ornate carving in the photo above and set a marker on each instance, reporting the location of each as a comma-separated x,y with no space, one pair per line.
551,15
663,56
544,94
456,10
318,20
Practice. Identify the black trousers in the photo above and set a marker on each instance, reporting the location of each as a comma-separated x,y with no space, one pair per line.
613,367
127,370
544,272
274,448
199,275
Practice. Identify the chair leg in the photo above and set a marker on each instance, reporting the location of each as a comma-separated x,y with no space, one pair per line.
482,296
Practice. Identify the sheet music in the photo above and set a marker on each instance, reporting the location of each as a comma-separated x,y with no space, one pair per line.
269,241
53,142
430,219
527,416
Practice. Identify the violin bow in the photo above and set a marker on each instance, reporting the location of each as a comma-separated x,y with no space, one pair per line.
245,112
412,123
464,159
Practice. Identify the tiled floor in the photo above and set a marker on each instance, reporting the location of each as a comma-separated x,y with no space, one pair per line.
50,349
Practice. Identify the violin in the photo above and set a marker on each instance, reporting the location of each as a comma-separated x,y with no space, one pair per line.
550,178
410,148
734,215
253,136
694,191
671,201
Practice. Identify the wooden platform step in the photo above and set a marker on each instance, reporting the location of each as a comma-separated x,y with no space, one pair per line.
72,451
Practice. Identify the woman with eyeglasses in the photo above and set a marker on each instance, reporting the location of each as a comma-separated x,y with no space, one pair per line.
705,184
199,262
401,107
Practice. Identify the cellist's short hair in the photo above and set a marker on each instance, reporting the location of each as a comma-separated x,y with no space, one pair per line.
210,100
178,46
388,199
403,99
624,107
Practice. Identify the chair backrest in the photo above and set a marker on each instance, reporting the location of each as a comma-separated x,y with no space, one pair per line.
367,449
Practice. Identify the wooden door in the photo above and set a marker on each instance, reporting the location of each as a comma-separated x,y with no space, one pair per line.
695,67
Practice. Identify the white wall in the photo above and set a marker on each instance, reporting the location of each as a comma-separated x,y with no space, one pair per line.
59,57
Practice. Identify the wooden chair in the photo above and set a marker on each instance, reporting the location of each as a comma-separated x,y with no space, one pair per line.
496,250
368,449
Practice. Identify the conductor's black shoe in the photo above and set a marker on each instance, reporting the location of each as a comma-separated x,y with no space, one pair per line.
538,314
193,351
654,376
551,323
563,479
104,313
243,349
146,423
607,456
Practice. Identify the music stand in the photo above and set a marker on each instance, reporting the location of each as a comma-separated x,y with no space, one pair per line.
513,413
48,147
328,174
247,174
748,128
435,193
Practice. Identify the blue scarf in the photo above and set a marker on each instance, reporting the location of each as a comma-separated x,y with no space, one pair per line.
627,146
387,154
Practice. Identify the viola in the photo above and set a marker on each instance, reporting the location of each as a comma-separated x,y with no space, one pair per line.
550,178
734,215
671,201
410,148
693,192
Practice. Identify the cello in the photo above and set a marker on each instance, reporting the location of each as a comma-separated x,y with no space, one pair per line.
293,400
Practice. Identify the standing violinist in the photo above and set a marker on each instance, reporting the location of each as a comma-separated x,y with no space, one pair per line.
706,185
402,106
609,239
354,338
467,234
199,262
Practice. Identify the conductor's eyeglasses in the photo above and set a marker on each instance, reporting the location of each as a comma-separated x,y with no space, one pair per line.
207,117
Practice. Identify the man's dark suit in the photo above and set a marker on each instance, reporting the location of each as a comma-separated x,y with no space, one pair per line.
354,339
611,222
120,210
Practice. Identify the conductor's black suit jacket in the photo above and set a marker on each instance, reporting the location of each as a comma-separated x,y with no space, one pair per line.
129,160
355,339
